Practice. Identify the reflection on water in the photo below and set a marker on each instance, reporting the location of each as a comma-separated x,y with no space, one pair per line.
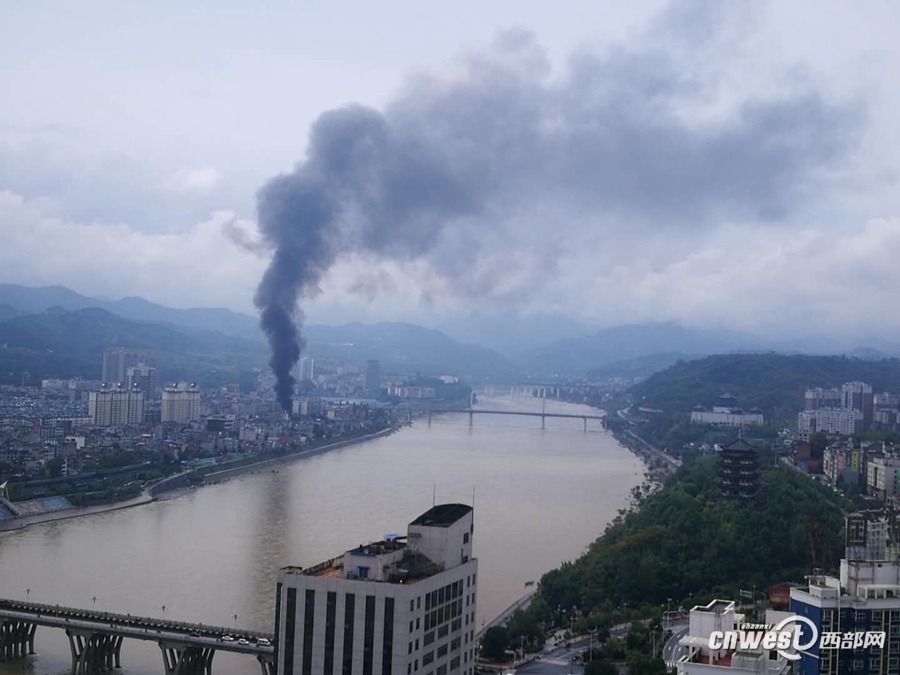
541,497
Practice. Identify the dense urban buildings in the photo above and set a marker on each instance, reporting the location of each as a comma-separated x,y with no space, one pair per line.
846,411
180,403
872,535
116,405
405,604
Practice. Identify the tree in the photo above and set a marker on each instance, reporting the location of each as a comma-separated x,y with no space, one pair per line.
55,467
524,625
495,642
600,667
817,443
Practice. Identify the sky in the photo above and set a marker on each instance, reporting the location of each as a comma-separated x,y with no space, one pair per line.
718,164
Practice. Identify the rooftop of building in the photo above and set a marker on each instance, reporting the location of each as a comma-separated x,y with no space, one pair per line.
442,515
410,568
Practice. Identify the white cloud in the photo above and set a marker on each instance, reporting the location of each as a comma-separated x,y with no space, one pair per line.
195,266
193,180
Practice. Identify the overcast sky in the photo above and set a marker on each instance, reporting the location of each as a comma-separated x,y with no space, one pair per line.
746,176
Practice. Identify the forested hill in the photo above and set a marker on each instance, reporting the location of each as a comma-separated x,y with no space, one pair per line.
773,382
687,542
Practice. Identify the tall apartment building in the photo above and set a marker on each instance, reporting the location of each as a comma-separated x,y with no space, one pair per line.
700,659
113,406
858,396
405,604
373,378
866,597
822,398
116,362
144,377
848,410
306,369
180,403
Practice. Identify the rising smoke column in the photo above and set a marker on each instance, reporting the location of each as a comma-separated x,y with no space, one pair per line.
454,168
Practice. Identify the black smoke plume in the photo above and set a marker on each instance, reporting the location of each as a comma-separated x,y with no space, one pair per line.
456,167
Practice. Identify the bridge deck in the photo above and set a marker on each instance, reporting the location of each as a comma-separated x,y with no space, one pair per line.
481,411
138,627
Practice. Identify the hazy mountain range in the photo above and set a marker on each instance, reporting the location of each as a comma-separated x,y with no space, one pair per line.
58,319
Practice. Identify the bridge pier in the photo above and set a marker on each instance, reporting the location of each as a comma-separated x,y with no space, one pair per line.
429,417
543,421
585,423
16,639
266,664
94,653
179,659
471,417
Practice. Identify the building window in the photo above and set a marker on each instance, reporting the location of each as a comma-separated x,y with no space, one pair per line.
417,623
330,610
456,625
428,658
428,639
417,644
428,602
387,648
454,663
309,615
859,615
442,651
412,605
409,651
289,628
442,670
410,626
408,669
465,537
419,602
416,665
442,631
369,635
454,644
441,596
349,611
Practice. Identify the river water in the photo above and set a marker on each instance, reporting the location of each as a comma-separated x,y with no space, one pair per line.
206,555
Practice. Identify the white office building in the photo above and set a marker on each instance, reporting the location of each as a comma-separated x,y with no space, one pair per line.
405,604
829,420
700,659
180,403
118,405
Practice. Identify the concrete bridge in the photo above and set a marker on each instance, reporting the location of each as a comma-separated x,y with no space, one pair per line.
95,638
471,412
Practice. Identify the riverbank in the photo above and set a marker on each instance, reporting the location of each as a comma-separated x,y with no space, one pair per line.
182,480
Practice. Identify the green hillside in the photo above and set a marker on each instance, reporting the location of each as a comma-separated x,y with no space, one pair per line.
773,382
58,343
685,541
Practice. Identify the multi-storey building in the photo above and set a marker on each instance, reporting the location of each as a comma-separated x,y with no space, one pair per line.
117,405
872,535
738,464
116,361
830,420
727,412
883,476
373,378
866,597
144,377
721,615
822,398
400,605
842,463
180,403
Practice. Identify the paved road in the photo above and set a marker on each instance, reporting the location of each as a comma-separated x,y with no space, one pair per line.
671,650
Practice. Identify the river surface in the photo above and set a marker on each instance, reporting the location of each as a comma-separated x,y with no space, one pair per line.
206,555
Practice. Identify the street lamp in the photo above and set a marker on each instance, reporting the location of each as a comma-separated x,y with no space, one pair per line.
235,619
27,592
94,600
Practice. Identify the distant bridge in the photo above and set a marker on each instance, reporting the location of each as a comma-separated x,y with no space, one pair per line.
471,412
95,638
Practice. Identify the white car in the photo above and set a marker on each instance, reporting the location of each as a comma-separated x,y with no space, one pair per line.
227,638
242,641
264,642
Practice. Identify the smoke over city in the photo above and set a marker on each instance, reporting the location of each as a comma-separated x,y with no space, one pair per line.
499,156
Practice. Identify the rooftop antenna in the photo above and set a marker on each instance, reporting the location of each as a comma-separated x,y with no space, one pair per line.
433,494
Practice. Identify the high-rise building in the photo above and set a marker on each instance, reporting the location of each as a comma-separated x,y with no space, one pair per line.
306,369
180,403
144,377
866,597
118,405
116,362
373,378
406,604
738,465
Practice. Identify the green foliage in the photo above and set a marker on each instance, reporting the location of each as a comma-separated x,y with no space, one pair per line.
773,382
685,541
525,625
495,643
55,467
